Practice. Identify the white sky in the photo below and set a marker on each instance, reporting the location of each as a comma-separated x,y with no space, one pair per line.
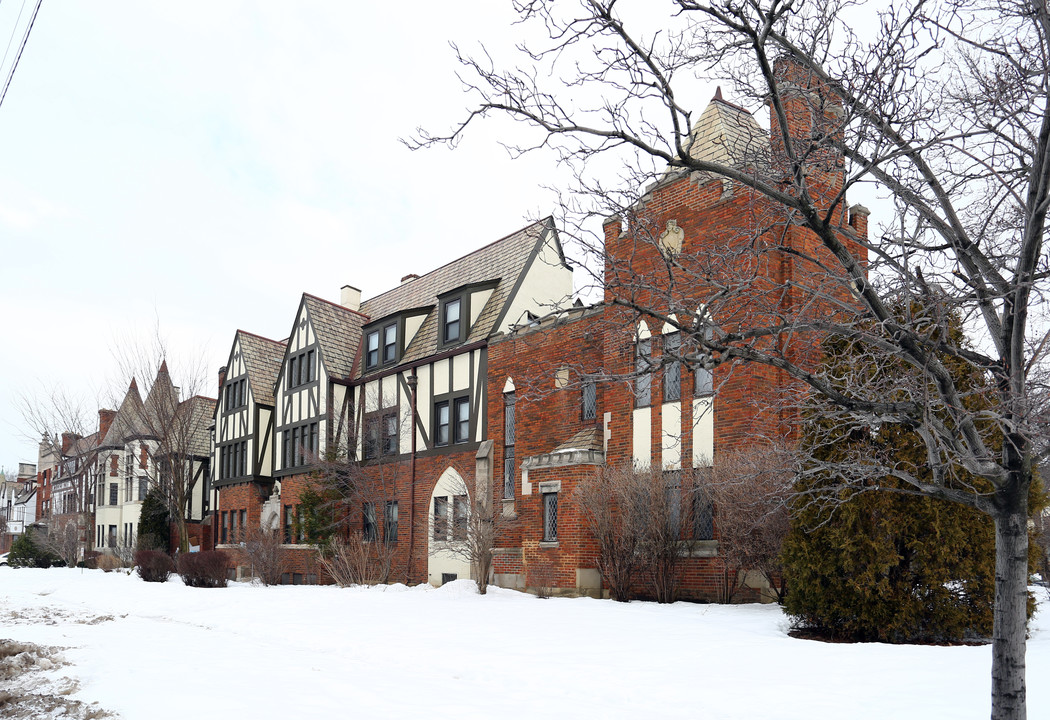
196,166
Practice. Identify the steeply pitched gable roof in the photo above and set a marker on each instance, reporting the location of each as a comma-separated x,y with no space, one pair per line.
338,332
263,358
129,420
503,262
195,415
728,134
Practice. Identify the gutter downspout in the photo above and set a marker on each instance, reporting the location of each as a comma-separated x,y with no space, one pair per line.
412,381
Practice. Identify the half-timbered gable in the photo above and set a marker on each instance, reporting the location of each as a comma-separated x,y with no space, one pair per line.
311,401
432,331
244,433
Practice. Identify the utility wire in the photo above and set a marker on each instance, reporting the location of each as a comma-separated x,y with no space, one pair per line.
25,39
11,38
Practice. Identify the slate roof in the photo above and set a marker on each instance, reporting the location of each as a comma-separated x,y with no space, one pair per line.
129,420
338,331
503,260
728,134
200,411
263,358
163,400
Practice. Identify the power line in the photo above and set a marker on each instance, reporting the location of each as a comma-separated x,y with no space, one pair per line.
14,29
25,39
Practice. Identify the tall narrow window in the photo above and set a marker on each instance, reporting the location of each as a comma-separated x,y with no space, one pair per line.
390,522
643,380
143,488
550,517
372,349
703,512
441,518
672,367
452,324
390,343
703,378
288,520
509,427
371,440
390,434
368,522
462,408
459,517
673,500
441,423
225,533
113,493
589,400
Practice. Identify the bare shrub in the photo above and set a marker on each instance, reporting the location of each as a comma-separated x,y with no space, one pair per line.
614,531
109,563
64,540
152,565
203,569
357,561
263,548
750,490
541,577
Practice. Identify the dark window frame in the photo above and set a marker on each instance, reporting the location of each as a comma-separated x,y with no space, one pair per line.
372,352
643,371
589,400
447,338
369,526
550,516
672,384
440,518
390,522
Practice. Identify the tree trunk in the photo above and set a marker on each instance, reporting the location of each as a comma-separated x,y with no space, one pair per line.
1011,614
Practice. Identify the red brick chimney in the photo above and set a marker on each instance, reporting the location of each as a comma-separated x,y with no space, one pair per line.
105,419
222,379
68,439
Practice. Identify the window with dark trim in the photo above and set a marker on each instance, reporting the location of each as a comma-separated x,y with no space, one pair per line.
224,533
300,445
702,509
302,369
389,343
113,492
390,434
509,428
235,394
451,321
672,367
289,519
370,442
441,422
589,400
143,488
643,379
372,349
461,406
673,500
390,523
550,517
441,518
368,522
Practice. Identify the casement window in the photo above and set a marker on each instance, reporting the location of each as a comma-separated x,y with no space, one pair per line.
113,491
643,379
235,394
300,445
461,407
370,442
441,518
244,523
702,509
390,434
460,514
550,517
143,488
234,532
389,343
509,431
112,536
372,350
368,522
672,367
390,523
589,400
673,500
703,378
302,369
441,423
127,489
289,519
451,321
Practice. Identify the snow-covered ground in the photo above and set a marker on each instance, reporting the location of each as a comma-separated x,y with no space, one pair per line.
156,651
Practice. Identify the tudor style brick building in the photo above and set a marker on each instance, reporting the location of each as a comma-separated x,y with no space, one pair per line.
486,363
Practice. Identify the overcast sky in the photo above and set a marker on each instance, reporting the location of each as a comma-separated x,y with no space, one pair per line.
197,166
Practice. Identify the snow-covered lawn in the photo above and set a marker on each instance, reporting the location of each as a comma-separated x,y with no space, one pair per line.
155,651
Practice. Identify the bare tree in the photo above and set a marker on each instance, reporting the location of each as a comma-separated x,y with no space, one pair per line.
635,515
749,490
63,539
262,546
944,104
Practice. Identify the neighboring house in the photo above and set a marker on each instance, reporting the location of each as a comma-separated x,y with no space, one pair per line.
73,486
243,431
146,442
17,504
